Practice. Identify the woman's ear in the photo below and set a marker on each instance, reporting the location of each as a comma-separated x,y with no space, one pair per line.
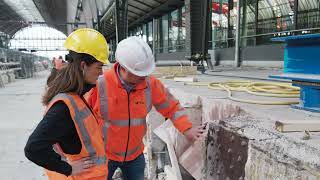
82,65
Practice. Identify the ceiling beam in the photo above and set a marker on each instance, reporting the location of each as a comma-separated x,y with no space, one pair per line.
145,4
134,13
142,10
157,1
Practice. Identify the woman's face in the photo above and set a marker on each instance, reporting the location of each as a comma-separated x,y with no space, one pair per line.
92,72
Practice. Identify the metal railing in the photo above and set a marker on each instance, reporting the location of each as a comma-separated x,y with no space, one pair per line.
226,41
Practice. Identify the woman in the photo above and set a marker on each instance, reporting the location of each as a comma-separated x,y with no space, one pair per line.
67,141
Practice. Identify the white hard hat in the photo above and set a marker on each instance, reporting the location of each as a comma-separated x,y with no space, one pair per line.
136,56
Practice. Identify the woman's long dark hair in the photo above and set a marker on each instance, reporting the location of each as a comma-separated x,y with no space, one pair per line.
68,79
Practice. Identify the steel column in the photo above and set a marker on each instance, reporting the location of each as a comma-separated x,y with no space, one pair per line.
121,19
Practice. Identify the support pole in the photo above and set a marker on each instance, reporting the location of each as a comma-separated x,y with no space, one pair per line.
121,19
154,38
237,45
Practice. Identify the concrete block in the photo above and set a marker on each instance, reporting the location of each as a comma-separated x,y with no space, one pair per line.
194,115
260,166
217,110
186,99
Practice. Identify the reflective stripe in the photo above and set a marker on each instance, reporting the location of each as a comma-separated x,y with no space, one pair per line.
125,123
138,122
166,104
162,106
134,150
80,116
148,95
178,114
105,132
100,160
104,107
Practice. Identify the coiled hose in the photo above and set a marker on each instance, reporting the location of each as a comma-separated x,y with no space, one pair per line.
268,89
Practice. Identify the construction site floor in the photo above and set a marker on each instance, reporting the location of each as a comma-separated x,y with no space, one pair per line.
21,110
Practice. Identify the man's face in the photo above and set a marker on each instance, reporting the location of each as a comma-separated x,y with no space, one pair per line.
131,78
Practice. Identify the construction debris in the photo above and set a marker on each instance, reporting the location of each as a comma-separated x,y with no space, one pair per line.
306,135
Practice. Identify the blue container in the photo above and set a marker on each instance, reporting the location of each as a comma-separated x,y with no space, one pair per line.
302,64
301,54
309,98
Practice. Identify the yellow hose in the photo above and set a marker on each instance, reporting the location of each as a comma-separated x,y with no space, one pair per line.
268,89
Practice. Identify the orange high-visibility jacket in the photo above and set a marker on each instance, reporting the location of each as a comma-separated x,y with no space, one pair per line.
123,115
91,140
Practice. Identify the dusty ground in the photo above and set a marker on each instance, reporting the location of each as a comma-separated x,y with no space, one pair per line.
20,112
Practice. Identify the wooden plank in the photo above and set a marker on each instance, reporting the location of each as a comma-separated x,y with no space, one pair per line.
163,135
174,71
297,125
185,79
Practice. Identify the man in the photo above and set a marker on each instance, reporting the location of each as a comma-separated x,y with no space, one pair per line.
123,98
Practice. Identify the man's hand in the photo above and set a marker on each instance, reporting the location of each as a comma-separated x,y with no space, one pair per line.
195,133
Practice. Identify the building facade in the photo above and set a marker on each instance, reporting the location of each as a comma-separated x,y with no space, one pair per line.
171,27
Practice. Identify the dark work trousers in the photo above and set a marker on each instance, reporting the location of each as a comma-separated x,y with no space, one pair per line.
131,170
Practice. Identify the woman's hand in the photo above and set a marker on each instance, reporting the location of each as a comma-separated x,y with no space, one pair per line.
80,166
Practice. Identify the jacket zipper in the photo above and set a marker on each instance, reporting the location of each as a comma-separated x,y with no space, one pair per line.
125,155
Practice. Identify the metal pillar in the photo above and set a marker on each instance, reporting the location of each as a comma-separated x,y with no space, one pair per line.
205,27
295,15
237,46
154,38
230,35
205,35
121,20
256,16
199,25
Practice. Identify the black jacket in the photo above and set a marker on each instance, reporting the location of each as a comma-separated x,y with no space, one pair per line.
55,127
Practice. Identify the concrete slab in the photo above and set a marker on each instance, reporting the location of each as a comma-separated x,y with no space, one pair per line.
21,110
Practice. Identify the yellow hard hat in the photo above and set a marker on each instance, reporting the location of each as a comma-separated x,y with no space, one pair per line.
88,41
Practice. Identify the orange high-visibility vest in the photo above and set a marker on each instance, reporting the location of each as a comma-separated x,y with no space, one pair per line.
90,136
124,114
